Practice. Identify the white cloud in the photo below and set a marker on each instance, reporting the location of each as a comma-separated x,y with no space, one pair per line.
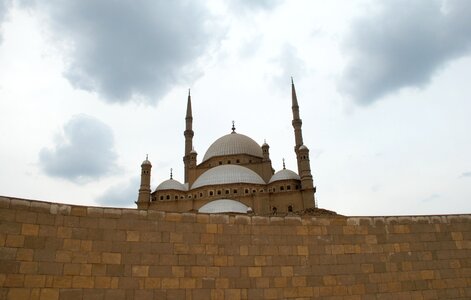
84,151
121,195
403,46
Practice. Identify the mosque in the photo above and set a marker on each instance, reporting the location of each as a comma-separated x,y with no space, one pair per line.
235,175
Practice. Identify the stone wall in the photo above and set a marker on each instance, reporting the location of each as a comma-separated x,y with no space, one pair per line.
55,251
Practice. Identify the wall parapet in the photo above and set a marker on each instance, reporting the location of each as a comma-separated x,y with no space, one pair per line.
62,251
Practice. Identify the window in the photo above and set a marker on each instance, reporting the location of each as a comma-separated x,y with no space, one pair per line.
282,188
290,208
246,191
228,162
211,193
274,210
220,162
201,195
219,192
238,161
168,197
227,192
288,187
254,191
234,191
176,197
161,197
297,187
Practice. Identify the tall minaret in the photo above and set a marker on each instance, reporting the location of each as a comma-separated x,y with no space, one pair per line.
188,136
302,154
297,123
143,200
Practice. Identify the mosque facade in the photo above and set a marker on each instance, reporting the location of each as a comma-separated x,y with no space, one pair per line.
234,175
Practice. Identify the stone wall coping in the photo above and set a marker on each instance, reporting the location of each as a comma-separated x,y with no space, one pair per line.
132,213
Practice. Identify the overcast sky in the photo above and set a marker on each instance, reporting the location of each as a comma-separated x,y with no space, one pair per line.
88,88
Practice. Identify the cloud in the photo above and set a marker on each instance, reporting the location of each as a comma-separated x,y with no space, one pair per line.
431,198
83,152
4,8
289,65
123,194
126,50
465,174
253,6
403,46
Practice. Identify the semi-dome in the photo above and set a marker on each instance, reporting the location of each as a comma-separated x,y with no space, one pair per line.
284,174
233,143
223,206
171,184
226,174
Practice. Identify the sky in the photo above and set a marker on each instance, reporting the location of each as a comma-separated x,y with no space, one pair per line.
89,88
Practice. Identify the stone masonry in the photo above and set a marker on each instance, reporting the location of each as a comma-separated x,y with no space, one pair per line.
55,251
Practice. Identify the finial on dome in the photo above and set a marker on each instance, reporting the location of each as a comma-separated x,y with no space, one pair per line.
292,82
233,126
147,156
189,94
284,167
171,173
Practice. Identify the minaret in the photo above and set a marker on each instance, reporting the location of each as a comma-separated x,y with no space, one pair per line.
143,200
302,154
266,151
188,136
297,123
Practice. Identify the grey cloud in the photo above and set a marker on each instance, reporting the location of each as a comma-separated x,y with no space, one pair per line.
4,8
251,6
431,198
123,194
403,46
290,65
126,50
82,153
466,174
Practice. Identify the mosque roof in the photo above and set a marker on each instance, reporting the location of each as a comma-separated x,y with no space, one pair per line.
171,184
233,143
224,205
226,174
284,174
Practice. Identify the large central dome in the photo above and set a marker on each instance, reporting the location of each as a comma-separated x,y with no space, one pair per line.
227,174
233,143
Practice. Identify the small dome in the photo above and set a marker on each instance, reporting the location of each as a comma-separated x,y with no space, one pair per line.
224,206
226,174
284,174
171,184
146,162
303,147
233,143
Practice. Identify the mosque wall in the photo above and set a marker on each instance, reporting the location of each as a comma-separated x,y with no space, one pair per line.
56,251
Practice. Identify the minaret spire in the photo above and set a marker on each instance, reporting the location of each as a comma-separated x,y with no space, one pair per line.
297,122
188,135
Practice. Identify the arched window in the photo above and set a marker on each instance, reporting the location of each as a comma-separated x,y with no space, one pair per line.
290,208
